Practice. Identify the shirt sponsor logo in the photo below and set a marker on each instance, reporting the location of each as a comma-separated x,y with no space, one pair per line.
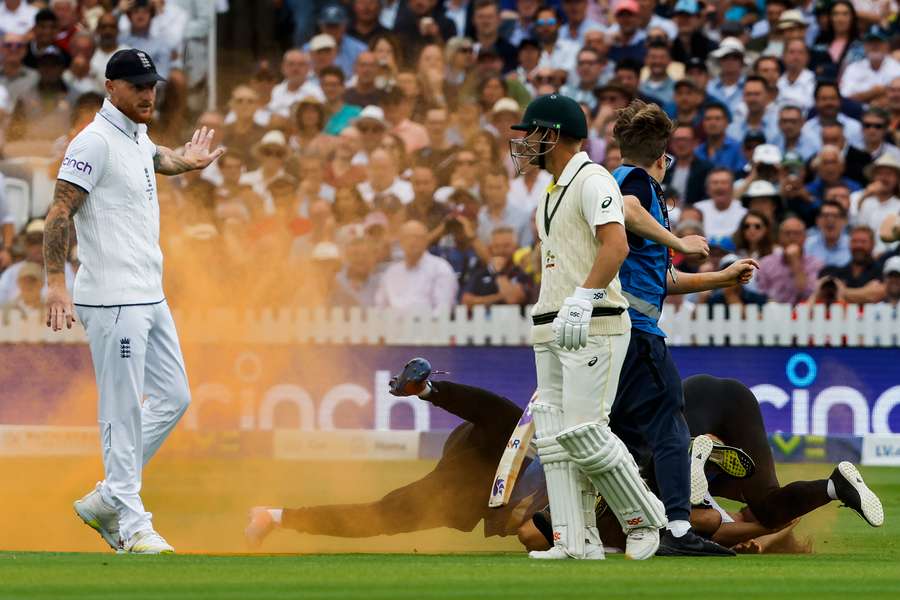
79,165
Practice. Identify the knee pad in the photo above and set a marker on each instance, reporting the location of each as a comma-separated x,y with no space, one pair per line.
548,419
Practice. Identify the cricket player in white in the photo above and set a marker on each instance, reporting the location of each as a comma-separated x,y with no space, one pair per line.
107,184
580,336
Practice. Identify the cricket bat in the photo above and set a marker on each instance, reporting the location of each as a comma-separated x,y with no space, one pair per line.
517,449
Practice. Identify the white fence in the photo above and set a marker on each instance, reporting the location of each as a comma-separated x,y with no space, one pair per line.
872,325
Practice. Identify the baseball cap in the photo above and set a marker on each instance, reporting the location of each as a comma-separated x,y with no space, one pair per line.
696,62
876,34
371,113
767,154
791,18
892,265
506,105
686,83
36,227
30,269
754,137
686,7
326,251
134,66
760,189
375,219
323,41
627,5
729,46
529,42
333,14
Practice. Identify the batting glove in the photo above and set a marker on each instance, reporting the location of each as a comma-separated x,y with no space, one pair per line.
573,321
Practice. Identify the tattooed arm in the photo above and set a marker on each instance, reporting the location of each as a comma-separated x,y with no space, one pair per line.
67,199
196,155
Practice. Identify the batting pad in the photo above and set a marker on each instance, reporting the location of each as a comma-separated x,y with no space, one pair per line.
605,460
564,483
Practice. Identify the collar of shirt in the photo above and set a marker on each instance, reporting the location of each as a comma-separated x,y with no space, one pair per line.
571,168
119,120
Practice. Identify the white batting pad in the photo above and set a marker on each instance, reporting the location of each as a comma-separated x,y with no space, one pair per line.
605,460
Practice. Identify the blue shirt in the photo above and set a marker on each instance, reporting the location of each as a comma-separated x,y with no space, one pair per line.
730,155
806,147
341,119
732,99
817,187
159,51
835,256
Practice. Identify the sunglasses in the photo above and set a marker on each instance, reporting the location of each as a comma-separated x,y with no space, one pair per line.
587,63
272,153
873,125
752,226
465,49
670,160
545,22
244,100
369,128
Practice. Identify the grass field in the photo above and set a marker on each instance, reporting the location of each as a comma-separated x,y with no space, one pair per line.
851,560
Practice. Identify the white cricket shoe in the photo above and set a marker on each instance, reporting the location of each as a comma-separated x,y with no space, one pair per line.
148,542
554,553
701,448
855,494
261,525
99,516
594,552
642,543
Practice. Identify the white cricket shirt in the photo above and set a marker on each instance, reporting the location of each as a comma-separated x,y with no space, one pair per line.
118,225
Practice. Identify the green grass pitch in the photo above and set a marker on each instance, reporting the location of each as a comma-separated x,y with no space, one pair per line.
851,560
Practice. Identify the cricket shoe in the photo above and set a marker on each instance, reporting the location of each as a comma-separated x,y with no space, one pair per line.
641,543
690,544
99,516
412,379
733,461
591,552
148,542
850,489
260,526
701,448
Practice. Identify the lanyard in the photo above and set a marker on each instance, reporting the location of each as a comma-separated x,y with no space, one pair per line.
548,217
665,211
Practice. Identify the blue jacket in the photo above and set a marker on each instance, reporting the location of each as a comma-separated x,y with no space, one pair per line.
643,274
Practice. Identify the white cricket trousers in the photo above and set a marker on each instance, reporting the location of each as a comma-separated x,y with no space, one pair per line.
143,391
582,383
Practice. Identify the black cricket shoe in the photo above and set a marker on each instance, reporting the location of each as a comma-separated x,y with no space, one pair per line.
412,379
690,544
850,489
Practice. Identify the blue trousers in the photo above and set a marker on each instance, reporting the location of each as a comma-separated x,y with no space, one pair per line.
648,416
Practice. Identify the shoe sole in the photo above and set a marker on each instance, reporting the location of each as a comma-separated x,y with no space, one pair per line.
666,551
151,553
701,448
93,522
733,461
870,508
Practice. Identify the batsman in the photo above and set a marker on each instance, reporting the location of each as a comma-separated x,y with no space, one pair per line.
581,334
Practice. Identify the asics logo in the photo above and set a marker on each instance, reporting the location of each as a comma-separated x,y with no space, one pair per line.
592,362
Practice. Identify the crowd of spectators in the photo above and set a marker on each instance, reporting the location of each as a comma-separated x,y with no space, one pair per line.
369,165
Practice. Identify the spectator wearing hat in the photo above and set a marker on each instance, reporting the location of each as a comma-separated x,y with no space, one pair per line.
308,120
295,68
891,276
762,197
764,165
859,280
691,42
486,20
420,280
628,36
790,138
589,68
27,302
500,280
728,86
333,22
365,25
756,113
855,160
719,149
721,212
658,84
322,53
866,80
556,53
496,210
372,128
789,275
271,154
382,179
828,109
33,242
797,84
17,16
735,295
43,39
688,175
755,236
875,122
829,240
357,282
881,197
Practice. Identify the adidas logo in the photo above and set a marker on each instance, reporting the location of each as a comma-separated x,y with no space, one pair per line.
125,348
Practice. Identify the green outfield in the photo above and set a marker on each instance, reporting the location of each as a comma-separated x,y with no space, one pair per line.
851,560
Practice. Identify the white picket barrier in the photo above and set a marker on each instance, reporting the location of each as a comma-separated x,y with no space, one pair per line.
873,325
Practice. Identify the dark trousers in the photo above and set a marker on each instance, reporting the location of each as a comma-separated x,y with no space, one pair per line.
648,415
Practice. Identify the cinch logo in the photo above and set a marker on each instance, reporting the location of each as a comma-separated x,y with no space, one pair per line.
809,415
79,165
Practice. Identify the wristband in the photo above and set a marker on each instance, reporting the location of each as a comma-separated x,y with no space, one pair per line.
591,295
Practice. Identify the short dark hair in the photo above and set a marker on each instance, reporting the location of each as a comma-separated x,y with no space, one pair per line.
762,59
659,45
479,4
865,229
835,204
826,83
874,111
758,79
332,70
45,15
715,170
643,132
629,64
716,106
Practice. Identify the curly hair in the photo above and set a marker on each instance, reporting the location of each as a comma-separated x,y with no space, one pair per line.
642,131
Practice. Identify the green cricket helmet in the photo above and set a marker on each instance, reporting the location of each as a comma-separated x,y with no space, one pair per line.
546,118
